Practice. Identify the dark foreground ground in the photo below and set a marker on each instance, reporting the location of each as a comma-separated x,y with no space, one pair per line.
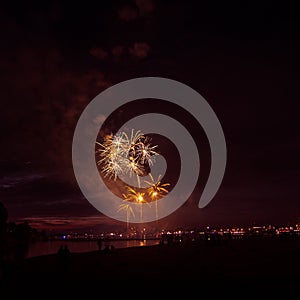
269,265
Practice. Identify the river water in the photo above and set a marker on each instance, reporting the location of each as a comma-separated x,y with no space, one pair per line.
51,247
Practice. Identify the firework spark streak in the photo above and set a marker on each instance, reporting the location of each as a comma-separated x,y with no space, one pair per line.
127,207
156,190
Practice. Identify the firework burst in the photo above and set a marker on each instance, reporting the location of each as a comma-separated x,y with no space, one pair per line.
144,151
121,154
156,190
136,197
112,156
133,139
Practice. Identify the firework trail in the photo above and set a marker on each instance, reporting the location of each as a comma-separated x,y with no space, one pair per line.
127,207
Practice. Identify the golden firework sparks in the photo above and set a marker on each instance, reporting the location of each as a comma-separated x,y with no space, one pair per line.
156,190
136,197
128,208
121,154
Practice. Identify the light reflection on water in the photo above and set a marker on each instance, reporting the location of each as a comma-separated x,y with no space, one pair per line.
51,247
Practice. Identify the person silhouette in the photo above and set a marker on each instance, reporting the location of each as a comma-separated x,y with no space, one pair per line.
66,251
61,249
99,242
64,257
106,249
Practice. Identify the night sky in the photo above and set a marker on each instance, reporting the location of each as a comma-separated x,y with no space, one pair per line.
56,56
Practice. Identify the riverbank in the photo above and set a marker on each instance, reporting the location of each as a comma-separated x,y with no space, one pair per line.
41,248
272,263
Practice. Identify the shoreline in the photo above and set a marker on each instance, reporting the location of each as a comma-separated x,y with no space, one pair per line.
45,247
256,263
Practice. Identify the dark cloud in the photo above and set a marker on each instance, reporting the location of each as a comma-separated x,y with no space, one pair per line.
139,50
128,13
71,223
7,182
131,11
117,51
39,89
145,6
99,53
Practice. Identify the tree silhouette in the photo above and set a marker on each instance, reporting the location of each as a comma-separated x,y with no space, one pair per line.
3,214
3,238
14,243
